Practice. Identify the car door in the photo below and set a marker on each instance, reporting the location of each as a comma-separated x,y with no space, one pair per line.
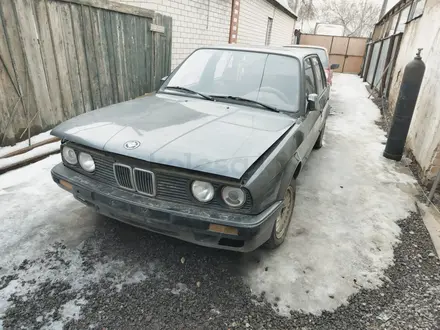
323,91
309,129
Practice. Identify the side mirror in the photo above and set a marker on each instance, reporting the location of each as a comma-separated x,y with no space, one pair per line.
334,66
312,102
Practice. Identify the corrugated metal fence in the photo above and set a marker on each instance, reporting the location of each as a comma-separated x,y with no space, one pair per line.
60,58
379,63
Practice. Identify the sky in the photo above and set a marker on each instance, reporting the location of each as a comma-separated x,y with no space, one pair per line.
308,27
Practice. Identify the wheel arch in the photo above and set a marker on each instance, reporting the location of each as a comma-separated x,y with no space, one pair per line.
291,172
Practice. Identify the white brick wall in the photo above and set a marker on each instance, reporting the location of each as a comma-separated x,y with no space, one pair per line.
252,25
283,28
193,28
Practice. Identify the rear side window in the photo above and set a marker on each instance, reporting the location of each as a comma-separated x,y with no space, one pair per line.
320,75
310,78
323,57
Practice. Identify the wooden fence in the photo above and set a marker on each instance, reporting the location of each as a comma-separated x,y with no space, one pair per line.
61,58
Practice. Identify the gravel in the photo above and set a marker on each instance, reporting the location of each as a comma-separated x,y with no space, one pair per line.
206,290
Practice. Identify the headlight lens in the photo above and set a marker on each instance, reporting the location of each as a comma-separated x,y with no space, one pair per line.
234,197
86,162
70,156
202,191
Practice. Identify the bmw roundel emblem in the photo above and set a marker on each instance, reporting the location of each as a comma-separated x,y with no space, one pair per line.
130,145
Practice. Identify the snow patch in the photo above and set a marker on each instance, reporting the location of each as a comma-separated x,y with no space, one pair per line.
36,214
20,145
30,208
349,198
53,269
134,278
180,288
39,151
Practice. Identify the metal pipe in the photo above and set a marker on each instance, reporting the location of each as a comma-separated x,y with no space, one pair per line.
384,8
434,187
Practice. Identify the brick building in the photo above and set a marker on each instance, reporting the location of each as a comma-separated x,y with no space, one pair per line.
199,23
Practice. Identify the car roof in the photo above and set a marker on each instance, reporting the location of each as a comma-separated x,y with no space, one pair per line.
299,53
306,46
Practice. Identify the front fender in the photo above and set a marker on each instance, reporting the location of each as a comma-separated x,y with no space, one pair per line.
287,176
270,180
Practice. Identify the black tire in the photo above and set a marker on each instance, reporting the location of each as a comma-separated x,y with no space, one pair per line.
277,238
320,141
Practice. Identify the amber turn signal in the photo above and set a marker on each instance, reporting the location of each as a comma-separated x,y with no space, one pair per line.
66,184
223,229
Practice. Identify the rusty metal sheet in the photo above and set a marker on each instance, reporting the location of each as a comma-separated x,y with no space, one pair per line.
316,40
353,64
339,46
337,59
357,46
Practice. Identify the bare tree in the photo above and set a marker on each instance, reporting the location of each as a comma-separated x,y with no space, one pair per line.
307,11
357,17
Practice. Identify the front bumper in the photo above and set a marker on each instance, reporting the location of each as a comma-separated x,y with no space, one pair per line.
186,222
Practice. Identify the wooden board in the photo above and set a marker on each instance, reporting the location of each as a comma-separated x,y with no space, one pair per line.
92,65
18,74
78,34
49,59
120,61
33,62
71,59
54,9
111,55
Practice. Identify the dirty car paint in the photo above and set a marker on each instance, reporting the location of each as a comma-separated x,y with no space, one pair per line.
212,137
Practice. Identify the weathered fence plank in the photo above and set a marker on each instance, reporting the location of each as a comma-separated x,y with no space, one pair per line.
60,58
114,6
92,64
48,57
120,62
56,31
7,80
17,76
71,59
101,51
129,55
34,63
111,55
78,35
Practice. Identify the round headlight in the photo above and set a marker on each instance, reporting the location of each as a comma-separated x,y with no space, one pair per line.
86,162
202,191
70,156
234,197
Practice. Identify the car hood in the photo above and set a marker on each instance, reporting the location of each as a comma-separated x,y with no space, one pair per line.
212,137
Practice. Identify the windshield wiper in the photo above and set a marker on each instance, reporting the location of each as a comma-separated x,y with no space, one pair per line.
243,99
184,89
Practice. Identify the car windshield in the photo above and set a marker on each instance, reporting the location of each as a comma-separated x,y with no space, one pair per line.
270,79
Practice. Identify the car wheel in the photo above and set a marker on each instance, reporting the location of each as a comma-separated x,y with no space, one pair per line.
282,222
319,142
